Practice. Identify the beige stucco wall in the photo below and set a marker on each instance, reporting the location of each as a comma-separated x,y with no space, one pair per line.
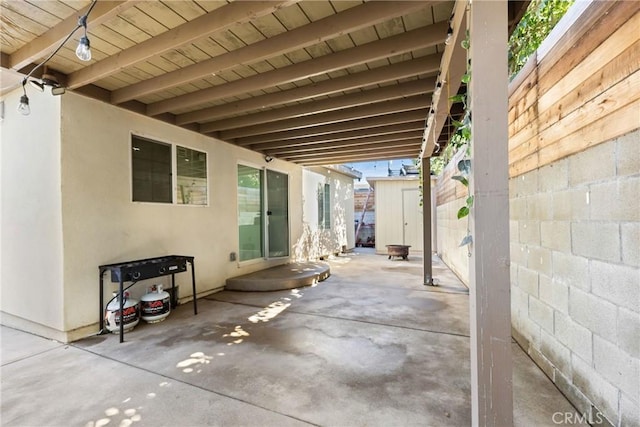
31,223
389,212
316,242
80,215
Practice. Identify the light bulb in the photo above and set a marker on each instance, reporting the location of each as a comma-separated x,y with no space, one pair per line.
447,41
83,51
23,107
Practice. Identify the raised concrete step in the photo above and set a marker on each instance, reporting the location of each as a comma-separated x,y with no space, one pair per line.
287,276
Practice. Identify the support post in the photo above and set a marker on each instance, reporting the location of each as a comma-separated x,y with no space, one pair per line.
426,221
490,305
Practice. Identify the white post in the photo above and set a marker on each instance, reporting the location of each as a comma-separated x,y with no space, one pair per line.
490,305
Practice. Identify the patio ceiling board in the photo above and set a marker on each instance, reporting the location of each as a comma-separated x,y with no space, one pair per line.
271,75
369,124
321,65
350,135
345,115
362,143
359,98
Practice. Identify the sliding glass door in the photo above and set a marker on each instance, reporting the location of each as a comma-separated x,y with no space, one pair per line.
263,213
278,214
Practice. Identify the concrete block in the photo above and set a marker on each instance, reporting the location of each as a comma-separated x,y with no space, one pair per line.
612,200
540,206
576,337
513,273
531,331
594,313
514,231
616,283
518,253
594,164
556,235
628,155
571,270
528,281
555,351
555,294
599,391
598,240
519,302
529,232
629,412
617,367
571,205
539,259
525,185
518,208
541,313
628,332
630,236
554,177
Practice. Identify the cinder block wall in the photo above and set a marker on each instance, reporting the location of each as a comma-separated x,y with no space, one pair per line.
574,167
450,197
575,233
574,162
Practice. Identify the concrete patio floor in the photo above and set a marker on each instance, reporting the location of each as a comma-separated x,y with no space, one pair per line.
369,346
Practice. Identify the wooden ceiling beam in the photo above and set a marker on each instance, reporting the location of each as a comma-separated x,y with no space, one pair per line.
380,49
42,45
371,96
425,65
370,124
351,135
377,109
358,158
356,143
345,22
216,21
410,149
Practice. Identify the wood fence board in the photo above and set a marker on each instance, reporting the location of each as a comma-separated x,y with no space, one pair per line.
604,105
528,132
524,150
619,41
525,165
604,129
588,32
616,70
524,119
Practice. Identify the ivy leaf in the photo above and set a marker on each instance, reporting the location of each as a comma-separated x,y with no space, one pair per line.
464,166
466,241
463,211
465,133
457,124
470,201
457,98
466,78
462,179
466,44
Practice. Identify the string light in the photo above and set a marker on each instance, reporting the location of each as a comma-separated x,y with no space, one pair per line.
83,52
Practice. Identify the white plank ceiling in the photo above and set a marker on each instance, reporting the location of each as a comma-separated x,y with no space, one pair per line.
312,82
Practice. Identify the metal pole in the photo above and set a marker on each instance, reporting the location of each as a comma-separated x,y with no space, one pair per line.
426,222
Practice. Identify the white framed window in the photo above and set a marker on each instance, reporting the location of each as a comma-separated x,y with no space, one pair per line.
154,165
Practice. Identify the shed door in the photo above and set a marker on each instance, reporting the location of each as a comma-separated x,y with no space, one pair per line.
412,218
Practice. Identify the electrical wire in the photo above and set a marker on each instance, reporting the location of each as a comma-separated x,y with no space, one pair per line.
82,22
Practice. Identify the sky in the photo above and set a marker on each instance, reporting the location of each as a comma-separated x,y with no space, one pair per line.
379,168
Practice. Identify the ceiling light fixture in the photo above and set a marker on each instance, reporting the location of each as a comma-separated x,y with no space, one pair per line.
83,52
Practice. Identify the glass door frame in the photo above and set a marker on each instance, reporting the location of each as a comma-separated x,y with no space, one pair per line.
265,205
